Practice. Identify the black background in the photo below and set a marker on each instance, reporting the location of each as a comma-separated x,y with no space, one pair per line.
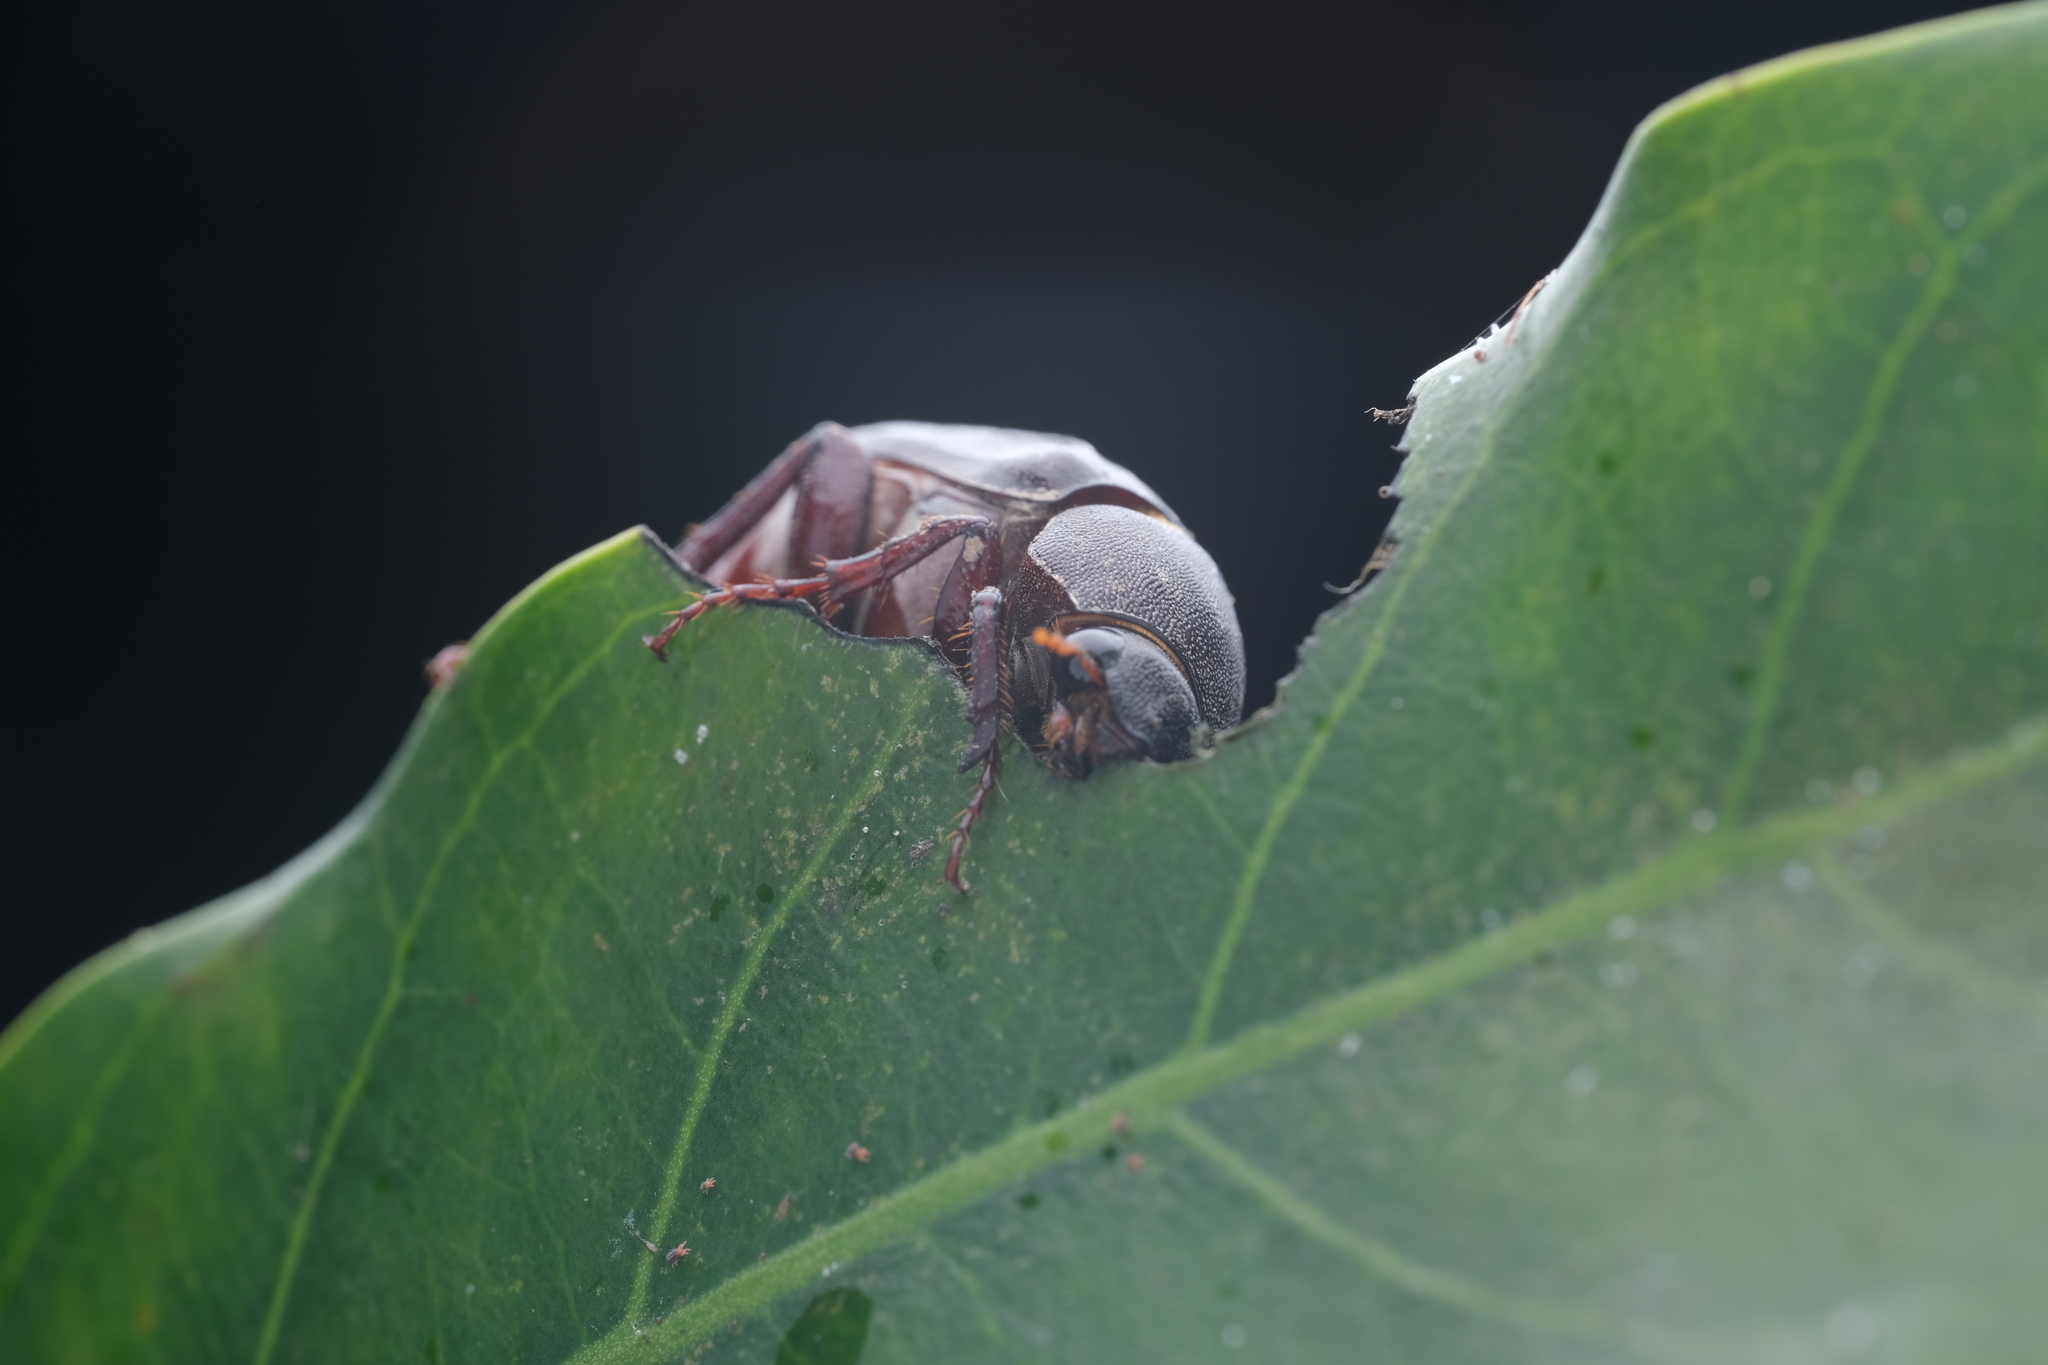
336,324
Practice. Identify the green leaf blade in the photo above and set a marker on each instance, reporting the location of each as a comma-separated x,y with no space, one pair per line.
1623,943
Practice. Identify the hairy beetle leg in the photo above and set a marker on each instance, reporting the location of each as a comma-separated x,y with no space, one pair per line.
841,579
984,674
775,590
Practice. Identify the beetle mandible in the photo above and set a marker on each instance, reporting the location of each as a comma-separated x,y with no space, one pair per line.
1070,598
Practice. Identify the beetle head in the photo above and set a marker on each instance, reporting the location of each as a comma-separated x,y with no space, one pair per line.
1116,695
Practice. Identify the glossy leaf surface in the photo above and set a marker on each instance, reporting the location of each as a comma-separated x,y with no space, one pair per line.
1627,941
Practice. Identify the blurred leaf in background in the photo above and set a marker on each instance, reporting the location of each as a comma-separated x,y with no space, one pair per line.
1626,941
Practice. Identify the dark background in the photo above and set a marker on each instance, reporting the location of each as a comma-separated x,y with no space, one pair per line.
333,325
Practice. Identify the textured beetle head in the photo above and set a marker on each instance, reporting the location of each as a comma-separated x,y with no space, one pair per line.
1117,695
1103,565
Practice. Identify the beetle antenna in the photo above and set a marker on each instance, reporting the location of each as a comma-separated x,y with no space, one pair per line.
1057,643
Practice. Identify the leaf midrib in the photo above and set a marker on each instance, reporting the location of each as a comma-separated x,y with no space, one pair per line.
1815,538
1762,713
1151,1096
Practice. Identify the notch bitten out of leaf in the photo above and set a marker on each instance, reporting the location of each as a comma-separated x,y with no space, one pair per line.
1344,971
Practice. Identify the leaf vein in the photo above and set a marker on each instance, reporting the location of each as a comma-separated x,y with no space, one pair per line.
394,986
1148,1097
1820,526
1296,785
1383,1261
729,1015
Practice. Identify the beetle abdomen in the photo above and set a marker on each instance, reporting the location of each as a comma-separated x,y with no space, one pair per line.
1136,571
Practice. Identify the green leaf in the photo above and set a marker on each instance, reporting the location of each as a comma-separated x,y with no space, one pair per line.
1625,942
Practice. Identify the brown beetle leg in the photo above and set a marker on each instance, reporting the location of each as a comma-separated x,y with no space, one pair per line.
985,711
985,675
990,766
703,546
830,517
842,577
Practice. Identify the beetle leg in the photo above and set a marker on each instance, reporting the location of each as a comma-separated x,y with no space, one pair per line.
842,578
985,710
990,766
704,545
845,577
830,517
985,675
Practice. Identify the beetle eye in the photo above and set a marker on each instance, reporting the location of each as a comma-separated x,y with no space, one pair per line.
1094,652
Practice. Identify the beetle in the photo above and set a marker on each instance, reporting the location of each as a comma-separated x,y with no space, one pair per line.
1075,605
